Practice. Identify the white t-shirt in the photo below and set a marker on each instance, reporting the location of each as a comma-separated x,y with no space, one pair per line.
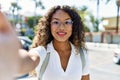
54,70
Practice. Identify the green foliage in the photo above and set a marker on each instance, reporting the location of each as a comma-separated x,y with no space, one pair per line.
39,4
86,29
30,21
14,8
95,22
83,12
96,25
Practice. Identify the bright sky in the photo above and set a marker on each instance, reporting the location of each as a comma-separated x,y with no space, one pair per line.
107,10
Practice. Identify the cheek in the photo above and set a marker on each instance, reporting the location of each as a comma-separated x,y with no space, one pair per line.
52,30
70,31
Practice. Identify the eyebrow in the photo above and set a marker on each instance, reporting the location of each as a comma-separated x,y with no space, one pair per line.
58,18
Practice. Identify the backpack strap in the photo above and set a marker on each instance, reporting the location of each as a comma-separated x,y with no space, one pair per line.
43,66
82,56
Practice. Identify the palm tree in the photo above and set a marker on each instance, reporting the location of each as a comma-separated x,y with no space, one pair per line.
117,20
0,6
38,3
88,18
98,6
85,14
14,7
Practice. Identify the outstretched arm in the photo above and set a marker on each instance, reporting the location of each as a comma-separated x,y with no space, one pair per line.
13,60
28,62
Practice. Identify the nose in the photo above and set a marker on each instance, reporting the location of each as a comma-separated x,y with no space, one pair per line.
62,25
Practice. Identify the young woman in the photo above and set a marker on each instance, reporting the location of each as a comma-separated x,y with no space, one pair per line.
61,33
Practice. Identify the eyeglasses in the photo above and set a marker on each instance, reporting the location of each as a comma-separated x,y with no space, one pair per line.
57,23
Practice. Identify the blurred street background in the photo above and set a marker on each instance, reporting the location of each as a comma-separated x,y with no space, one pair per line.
102,28
102,66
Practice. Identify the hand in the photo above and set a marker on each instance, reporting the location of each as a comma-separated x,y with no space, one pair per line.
9,46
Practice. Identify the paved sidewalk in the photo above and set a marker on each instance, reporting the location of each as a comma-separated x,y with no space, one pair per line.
91,45
102,66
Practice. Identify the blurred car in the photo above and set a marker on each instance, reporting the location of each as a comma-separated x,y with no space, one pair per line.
25,42
116,57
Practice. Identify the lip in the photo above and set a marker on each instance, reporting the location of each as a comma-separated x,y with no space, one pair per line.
61,33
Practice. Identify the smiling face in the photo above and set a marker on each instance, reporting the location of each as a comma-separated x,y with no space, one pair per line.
61,26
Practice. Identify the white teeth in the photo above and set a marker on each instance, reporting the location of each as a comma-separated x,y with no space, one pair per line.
61,33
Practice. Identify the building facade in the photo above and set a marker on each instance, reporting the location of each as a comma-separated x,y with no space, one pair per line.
110,24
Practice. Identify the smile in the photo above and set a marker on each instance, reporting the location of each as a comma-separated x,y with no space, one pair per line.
61,33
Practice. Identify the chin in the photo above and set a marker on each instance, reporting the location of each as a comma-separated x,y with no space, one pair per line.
61,40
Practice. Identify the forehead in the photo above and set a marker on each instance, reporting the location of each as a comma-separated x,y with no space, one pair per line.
61,15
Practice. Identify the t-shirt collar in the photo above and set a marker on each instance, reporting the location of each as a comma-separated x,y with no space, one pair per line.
50,47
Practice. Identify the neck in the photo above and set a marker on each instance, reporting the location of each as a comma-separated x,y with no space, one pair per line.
61,46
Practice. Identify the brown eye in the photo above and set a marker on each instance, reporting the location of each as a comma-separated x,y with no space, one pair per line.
55,22
69,22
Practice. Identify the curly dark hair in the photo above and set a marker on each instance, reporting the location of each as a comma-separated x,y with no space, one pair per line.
43,33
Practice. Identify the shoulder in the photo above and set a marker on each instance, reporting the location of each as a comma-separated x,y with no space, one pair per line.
38,50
